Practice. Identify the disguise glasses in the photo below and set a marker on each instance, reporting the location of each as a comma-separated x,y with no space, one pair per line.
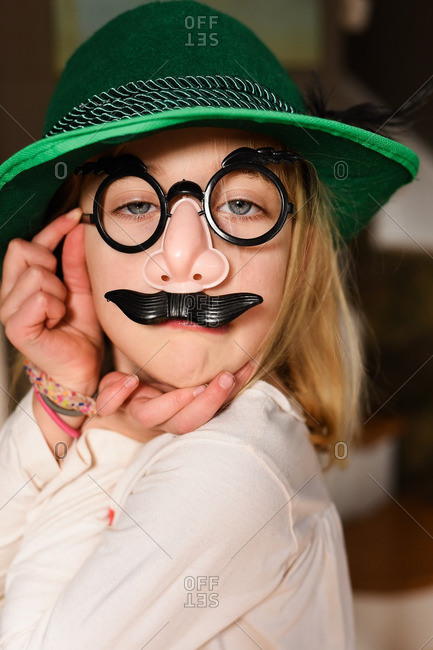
244,202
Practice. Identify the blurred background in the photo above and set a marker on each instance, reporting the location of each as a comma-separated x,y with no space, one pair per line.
363,50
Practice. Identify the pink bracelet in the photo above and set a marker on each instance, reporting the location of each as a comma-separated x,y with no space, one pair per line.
75,433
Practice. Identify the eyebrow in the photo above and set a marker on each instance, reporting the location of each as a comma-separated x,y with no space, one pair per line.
153,168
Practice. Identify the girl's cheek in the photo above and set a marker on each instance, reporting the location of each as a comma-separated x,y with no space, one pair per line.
91,253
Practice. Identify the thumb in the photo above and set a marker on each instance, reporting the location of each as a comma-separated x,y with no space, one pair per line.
113,390
75,275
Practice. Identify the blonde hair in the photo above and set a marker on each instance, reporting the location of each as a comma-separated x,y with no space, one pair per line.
314,346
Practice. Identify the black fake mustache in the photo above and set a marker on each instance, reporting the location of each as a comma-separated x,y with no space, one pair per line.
199,308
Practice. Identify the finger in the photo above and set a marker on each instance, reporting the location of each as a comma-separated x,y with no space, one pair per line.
110,378
209,401
35,278
80,302
114,393
152,413
75,274
244,374
26,326
20,255
203,407
143,390
53,233
184,410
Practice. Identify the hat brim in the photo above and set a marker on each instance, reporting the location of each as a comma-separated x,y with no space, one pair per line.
362,169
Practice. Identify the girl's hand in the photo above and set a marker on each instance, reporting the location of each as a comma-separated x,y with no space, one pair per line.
53,323
141,412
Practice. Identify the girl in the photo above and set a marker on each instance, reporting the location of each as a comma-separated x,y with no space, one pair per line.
203,223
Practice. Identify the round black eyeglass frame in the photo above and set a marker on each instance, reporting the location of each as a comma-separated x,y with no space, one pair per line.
242,158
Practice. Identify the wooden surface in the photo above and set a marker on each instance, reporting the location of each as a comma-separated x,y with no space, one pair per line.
392,549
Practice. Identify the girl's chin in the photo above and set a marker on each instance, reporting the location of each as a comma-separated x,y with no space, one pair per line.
172,382
159,384
170,359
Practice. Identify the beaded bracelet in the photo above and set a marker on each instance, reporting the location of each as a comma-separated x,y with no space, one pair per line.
58,394
59,409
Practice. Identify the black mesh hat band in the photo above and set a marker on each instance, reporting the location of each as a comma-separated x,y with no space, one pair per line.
168,94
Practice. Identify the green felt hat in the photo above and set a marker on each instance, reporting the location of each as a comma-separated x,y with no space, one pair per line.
149,69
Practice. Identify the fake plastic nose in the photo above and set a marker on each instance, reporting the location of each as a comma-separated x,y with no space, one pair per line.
186,261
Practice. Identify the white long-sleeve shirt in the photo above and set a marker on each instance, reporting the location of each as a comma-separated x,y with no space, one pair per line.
222,539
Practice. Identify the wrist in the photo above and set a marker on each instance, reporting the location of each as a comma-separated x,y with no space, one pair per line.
57,439
51,403
73,431
57,397
80,387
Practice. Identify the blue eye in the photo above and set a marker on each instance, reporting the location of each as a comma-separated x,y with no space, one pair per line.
130,198
240,206
138,207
